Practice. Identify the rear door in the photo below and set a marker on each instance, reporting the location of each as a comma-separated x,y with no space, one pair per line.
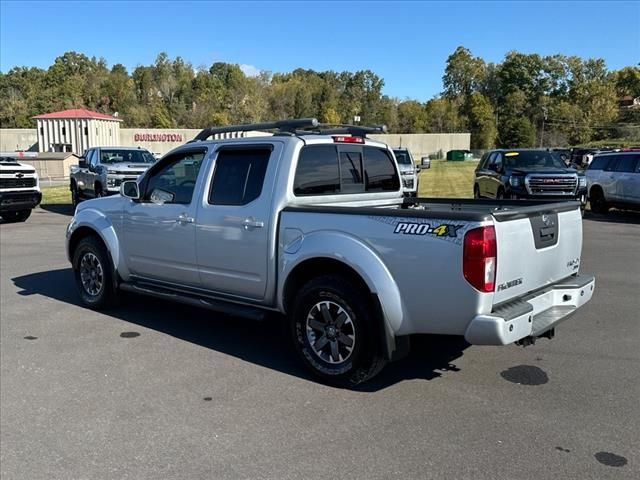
537,250
234,222
608,179
628,178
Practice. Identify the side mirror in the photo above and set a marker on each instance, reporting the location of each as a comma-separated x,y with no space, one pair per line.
418,168
82,163
130,189
426,163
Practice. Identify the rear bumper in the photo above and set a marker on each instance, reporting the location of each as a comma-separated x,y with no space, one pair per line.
14,201
533,314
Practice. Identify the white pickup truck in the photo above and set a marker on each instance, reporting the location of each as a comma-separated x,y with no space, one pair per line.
19,187
311,222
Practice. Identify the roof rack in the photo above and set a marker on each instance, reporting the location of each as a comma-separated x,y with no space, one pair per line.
296,126
282,126
341,129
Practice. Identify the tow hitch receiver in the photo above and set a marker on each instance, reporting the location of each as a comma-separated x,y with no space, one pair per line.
526,341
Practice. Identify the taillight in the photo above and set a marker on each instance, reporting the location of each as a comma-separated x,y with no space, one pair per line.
480,258
347,139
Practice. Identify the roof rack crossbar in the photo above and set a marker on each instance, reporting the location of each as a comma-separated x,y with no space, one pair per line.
281,125
355,130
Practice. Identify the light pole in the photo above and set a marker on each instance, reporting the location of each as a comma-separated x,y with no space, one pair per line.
544,117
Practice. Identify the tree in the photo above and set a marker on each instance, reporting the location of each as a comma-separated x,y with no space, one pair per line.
464,74
517,132
482,122
412,117
627,81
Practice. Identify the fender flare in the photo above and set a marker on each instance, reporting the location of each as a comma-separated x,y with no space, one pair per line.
94,220
355,254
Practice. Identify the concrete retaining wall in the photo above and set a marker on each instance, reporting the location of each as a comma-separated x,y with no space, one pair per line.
425,144
12,139
162,140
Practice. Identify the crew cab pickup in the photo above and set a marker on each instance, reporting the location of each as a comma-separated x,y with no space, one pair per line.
312,223
101,170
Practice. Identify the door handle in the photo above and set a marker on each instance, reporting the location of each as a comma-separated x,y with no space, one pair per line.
184,219
251,223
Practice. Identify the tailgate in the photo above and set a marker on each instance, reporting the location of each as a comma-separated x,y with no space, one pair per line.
536,247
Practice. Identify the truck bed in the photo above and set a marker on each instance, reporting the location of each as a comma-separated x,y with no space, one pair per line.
420,244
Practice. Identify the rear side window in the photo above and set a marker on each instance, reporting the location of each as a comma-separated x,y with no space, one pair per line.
239,176
322,171
318,172
599,162
380,172
626,163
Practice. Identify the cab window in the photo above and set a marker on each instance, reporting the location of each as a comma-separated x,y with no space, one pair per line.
175,179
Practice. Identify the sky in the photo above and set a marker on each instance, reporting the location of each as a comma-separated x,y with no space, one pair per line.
405,43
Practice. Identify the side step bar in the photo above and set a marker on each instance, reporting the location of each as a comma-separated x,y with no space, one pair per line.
228,308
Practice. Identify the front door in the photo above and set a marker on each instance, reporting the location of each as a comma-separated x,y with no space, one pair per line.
233,232
159,230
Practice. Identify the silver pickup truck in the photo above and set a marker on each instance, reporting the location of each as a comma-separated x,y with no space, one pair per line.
311,223
102,170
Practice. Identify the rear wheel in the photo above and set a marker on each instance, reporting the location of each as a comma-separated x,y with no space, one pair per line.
94,274
332,328
597,201
15,217
476,191
500,194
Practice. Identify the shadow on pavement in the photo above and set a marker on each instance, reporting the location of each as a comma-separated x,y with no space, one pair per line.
59,208
263,343
614,216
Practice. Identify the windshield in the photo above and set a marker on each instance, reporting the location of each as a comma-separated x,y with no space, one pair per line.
402,157
129,156
533,159
8,160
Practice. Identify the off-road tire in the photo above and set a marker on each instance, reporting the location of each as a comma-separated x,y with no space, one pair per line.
106,295
365,359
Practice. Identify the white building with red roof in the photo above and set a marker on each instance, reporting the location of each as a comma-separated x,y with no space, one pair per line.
76,130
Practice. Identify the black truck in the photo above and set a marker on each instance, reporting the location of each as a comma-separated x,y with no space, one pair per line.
528,174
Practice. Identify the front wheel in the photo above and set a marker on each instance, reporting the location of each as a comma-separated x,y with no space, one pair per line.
333,331
75,195
94,274
15,217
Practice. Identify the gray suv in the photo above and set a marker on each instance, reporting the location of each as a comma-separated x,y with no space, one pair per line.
613,180
102,170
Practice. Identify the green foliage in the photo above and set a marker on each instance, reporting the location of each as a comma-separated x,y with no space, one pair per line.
482,122
522,101
517,132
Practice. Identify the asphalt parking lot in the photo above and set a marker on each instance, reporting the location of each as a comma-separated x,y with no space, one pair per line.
154,390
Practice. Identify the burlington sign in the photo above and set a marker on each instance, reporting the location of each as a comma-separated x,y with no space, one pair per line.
158,137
